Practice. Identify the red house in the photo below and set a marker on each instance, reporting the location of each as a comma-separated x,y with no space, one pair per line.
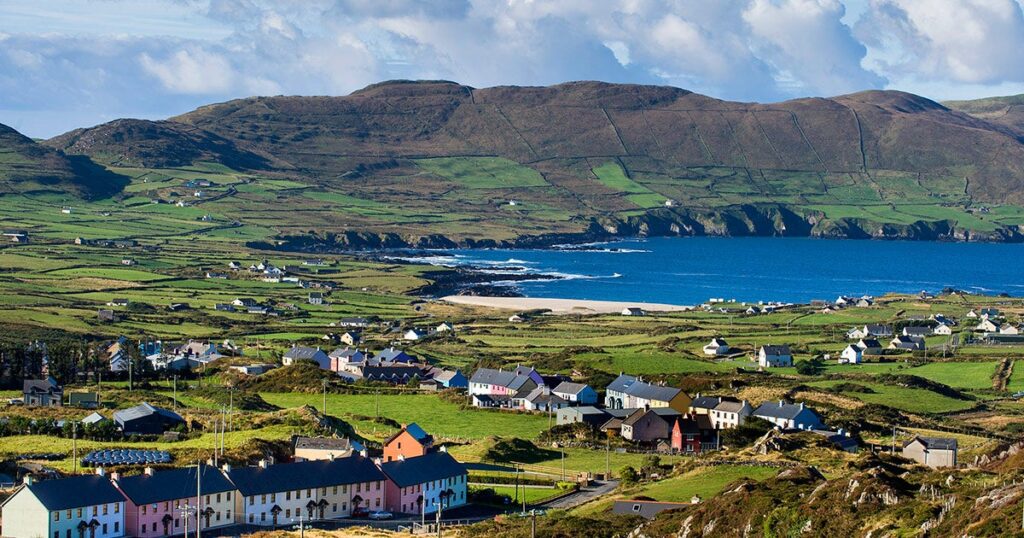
693,434
410,442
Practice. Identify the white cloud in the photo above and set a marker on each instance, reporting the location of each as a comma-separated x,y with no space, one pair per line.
191,71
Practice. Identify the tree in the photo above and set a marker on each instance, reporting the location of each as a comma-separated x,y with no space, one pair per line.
810,367
650,464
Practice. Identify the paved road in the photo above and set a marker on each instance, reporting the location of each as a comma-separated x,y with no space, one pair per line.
584,495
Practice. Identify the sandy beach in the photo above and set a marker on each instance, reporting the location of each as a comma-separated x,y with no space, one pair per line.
560,306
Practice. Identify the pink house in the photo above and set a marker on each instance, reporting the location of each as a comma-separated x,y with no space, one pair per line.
164,503
425,483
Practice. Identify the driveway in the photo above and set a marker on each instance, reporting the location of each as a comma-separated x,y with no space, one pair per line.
584,495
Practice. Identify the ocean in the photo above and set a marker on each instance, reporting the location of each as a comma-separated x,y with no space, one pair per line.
692,270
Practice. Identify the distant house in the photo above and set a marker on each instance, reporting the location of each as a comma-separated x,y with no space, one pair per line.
516,318
789,416
107,316
628,392
147,419
351,338
986,325
644,508
315,262
16,236
178,307
942,329
870,346
693,434
42,393
1006,328
118,302
702,405
128,261
358,323
856,333
730,414
451,379
316,298
539,399
445,327
297,353
911,343
586,414
244,302
576,393
989,313
917,331
851,355
774,356
254,369
503,383
324,448
840,439
932,451
412,335
645,426
410,441
881,331
717,346
633,311
394,355
216,276
94,418
84,400
224,307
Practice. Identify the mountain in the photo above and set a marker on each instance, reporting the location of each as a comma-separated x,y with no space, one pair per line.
434,163
154,144
26,166
1007,111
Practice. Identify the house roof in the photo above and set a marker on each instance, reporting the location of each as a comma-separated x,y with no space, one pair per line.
490,376
344,353
301,352
776,350
75,491
568,387
705,402
93,418
144,410
324,443
585,410
42,385
869,343
718,342
878,329
782,410
638,414
621,383
392,354
917,331
730,406
305,474
644,509
935,443
542,395
652,392
422,469
173,484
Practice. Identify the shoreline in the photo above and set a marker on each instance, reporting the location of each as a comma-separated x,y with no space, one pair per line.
559,306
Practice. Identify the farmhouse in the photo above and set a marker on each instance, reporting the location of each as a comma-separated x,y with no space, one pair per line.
576,393
324,448
789,416
851,355
931,451
913,343
316,298
154,500
409,442
942,329
717,346
1006,328
274,495
870,346
633,311
146,419
730,414
77,506
425,484
774,356
351,338
587,414
628,392
297,353
42,393
645,426
917,331
986,325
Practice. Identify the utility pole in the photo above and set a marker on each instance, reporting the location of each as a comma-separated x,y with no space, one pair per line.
74,445
325,397
174,385
894,439
563,464
439,507
199,496
376,404
608,459
533,524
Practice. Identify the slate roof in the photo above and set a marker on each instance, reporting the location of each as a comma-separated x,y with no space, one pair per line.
392,354
416,431
786,411
870,343
93,418
75,492
645,509
323,443
42,385
422,469
917,331
301,352
729,406
776,350
540,395
705,402
344,353
144,410
638,414
568,387
490,376
935,443
173,484
621,383
878,330
586,410
304,475
652,392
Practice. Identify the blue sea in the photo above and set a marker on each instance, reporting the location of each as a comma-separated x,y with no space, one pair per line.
692,270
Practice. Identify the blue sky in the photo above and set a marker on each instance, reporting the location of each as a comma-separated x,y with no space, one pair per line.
67,64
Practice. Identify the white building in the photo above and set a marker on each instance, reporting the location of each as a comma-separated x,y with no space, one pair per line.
61,507
774,356
851,355
717,346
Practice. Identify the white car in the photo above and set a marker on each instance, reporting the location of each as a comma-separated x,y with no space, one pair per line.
381,515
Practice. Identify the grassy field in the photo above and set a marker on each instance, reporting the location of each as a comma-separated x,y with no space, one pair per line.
905,398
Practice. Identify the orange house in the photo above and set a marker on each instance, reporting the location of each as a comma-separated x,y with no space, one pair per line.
410,442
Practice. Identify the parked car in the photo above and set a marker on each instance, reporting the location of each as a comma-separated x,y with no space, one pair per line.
380,514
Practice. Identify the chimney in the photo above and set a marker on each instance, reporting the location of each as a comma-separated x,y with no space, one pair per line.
148,471
377,462
29,480
801,406
364,453
100,471
401,457
264,464
226,467
115,476
209,462
781,403
444,448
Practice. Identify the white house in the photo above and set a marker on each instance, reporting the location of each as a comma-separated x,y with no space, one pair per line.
297,353
1009,329
789,416
730,414
942,329
774,356
717,346
851,355
82,505
633,311
445,327
412,334
987,326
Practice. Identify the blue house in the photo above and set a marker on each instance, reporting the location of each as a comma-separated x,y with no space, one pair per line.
451,379
576,393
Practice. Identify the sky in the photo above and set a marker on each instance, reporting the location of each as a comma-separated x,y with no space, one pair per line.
76,63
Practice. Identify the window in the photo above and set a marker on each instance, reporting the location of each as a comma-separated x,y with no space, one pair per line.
288,513
143,508
227,515
334,490
263,516
218,497
227,496
263,499
56,534
378,486
344,488
273,497
105,528
117,526
105,508
359,487
177,523
287,495
117,508
252,500
251,517
68,514
309,493
67,534
334,507
56,516
207,500
218,516
95,511
377,503
323,491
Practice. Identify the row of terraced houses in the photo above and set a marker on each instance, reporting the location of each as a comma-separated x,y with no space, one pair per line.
411,479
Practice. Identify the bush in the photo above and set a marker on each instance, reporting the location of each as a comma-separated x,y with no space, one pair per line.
746,433
628,475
